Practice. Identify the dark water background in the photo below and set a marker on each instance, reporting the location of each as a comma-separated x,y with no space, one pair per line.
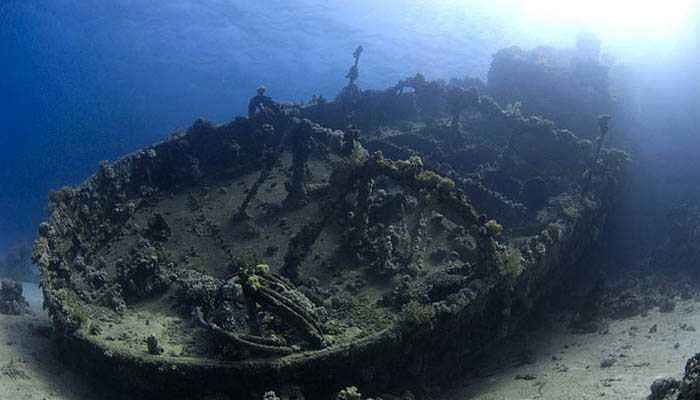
87,80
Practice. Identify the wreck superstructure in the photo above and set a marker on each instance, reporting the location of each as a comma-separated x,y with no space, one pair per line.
381,238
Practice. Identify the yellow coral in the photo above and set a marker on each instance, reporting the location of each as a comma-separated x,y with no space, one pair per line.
254,282
77,317
435,180
494,228
349,393
512,263
359,155
262,268
416,314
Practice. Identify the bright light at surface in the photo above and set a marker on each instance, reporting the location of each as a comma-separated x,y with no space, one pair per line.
651,18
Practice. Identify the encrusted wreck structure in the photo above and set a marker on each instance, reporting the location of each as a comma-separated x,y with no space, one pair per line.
16,263
12,302
570,86
382,238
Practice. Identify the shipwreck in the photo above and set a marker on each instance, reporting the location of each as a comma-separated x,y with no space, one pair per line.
376,239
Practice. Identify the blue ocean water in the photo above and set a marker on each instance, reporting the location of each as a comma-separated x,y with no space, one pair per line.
87,80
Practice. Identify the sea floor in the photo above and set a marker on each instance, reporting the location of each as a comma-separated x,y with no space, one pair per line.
620,363
547,363
29,369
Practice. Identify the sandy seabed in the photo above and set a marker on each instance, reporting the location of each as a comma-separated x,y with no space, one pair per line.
29,369
620,364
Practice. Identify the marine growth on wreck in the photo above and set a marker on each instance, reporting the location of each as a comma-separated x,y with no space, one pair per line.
384,238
